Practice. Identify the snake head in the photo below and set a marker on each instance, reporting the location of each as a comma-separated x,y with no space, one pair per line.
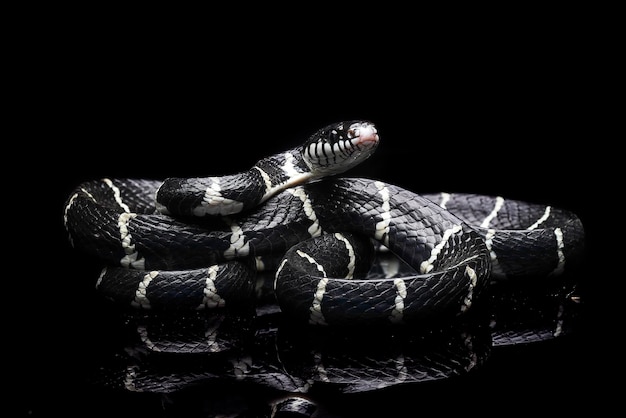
339,147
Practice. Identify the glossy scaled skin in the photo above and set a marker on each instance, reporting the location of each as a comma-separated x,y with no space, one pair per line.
118,221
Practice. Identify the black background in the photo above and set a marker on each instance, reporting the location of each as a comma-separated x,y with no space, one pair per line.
515,119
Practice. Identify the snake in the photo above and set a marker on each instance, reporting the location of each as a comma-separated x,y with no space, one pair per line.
201,243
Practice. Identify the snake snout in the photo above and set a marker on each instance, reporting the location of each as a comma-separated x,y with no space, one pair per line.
364,132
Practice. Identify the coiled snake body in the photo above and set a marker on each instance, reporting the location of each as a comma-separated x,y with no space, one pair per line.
198,243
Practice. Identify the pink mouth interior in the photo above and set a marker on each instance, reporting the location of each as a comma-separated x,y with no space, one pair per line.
367,134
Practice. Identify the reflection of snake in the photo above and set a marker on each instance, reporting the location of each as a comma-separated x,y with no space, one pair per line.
213,359
206,348
198,245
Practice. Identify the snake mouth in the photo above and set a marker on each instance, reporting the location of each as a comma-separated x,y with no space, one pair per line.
363,134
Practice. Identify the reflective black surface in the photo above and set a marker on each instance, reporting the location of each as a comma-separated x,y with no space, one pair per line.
520,347
70,353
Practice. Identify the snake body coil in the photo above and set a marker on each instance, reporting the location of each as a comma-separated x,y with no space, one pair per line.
199,243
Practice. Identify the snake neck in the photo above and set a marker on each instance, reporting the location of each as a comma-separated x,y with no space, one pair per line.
330,151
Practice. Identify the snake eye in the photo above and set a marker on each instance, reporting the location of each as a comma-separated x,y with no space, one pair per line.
335,136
